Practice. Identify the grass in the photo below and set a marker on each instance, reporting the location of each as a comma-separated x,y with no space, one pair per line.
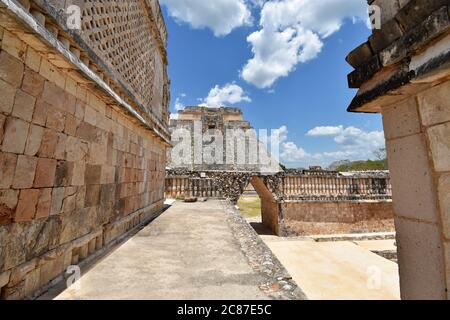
250,207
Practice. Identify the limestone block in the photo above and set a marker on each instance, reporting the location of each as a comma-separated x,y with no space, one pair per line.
56,119
70,197
33,83
439,137
420,260
90,115
70,105
76,149
15,136
34,140
45,173
92,174
24,173
33,59
78,176
8,163
434,104
92,195
11,69
23,105
13,45
444,201
4,278
53,95
80,198
32,282
71,125
7,95
411,177
60,148
44,203
20,272
48,143
8,204
51,73
40,112
2,124
63,174
57,200
71,86
26,208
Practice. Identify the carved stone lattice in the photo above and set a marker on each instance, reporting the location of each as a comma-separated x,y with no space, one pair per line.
119,31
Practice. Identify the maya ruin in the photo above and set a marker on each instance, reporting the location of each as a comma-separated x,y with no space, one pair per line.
113,187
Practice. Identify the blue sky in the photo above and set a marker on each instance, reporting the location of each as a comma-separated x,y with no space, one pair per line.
283,63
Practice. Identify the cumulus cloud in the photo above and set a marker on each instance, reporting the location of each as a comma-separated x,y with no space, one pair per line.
292,32
353,139
221,16
351,144
230,93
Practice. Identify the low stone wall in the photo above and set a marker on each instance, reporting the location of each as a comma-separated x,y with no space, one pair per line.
339,211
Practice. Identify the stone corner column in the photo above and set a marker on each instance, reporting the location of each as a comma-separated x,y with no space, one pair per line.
417,134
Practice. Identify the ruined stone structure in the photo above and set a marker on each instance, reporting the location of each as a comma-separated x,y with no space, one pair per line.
83,132
403,72
217,126
306,196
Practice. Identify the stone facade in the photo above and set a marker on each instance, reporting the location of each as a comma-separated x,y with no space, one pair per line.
222,126
403,72
82,145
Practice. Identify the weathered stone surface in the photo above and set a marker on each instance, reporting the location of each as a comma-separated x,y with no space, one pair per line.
45,173
34,140
7,94
62,158
439,137
401,119
15,136
93,174
57,200
23,106
433,104
26,208
7,167
8,203
24,173
33,83
412,181
40,112
11,69
55,119
48,143
92,195
444,201
420,278
44,203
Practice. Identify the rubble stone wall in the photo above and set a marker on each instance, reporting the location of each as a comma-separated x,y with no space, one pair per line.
78,166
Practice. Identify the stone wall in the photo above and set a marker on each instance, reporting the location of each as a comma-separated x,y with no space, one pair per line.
81,163
338,212
403,72
418,141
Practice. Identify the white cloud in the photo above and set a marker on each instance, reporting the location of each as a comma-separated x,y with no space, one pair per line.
178,105
228,94
354,140
292,32
221,16
351,144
